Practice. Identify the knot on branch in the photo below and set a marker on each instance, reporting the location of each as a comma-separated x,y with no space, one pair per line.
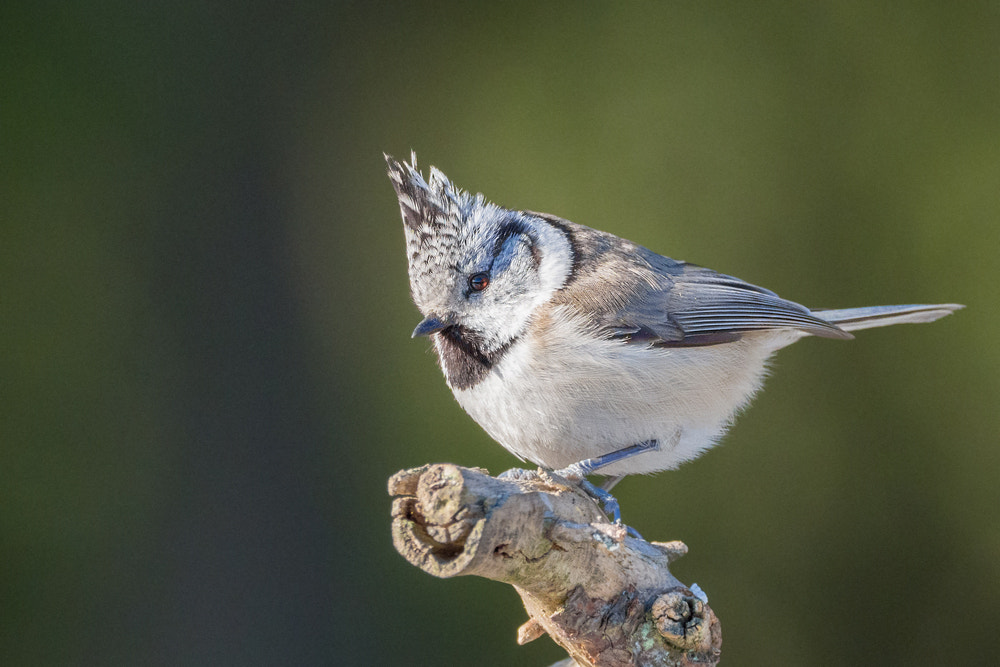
684,620
434,515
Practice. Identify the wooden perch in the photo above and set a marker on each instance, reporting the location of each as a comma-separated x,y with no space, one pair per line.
607,598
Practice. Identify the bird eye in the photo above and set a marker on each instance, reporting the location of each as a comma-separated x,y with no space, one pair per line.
479,281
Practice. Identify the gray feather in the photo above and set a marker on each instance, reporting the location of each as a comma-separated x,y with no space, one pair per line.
630,292
852,319
725,304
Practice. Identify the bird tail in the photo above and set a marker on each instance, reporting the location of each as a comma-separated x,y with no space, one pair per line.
852,319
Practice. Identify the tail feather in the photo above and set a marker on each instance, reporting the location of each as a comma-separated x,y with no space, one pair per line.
852,319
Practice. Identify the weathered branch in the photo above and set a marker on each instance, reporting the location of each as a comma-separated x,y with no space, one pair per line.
607,598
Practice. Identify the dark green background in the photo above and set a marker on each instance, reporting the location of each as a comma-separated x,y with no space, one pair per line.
206,369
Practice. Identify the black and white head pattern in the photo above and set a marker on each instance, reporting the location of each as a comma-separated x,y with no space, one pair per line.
481,269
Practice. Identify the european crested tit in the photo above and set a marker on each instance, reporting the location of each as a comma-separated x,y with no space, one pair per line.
568,344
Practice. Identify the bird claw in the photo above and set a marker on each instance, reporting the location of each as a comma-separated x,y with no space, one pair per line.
609,504
577,473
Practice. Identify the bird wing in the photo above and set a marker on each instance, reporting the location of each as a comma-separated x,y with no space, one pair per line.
691,305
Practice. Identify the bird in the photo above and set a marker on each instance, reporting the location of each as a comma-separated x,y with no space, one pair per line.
581,351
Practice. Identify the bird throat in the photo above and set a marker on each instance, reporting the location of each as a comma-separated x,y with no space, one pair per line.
464,356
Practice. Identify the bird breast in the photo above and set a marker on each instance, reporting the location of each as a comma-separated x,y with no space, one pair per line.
562,393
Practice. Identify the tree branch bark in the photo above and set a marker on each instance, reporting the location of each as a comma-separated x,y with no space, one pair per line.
607,598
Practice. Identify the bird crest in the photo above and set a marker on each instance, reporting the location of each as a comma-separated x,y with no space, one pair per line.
438,220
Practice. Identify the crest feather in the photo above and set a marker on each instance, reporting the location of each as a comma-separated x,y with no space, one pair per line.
435,221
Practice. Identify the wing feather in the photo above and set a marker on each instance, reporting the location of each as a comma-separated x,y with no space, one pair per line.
632,293
697,306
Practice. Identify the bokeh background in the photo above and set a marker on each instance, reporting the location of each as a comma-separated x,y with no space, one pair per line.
206,369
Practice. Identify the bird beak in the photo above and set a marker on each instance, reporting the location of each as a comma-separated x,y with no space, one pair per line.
430,324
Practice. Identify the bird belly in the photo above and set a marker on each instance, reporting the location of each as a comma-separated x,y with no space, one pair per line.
582,397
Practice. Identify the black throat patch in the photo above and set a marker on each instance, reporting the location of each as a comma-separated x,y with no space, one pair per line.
464,356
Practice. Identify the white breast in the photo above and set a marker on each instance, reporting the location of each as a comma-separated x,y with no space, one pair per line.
561,395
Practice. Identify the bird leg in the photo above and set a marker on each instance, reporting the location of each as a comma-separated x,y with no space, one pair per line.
579,471
591,466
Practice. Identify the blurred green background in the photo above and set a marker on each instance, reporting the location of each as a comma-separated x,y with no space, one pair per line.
206,367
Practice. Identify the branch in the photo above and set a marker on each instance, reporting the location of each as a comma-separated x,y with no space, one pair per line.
608,599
